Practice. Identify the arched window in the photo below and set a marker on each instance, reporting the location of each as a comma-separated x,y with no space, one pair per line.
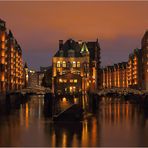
58,64
64,64
74,64
78,64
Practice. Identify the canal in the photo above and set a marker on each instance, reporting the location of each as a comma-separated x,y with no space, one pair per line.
114,122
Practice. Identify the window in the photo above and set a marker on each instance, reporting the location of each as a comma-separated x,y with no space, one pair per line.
72,88
71,53
78,72
71,80
65,80
75,81
73,64
63,72
60,80
78,64
58,64
64,64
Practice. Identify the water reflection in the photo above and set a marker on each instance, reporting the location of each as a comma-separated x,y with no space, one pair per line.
114,123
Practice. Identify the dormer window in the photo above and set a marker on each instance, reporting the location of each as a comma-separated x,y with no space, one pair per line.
71,53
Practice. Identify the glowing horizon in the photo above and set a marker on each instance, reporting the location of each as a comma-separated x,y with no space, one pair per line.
38,26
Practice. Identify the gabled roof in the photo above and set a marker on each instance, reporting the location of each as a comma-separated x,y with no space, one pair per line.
72,46
92,46
69,46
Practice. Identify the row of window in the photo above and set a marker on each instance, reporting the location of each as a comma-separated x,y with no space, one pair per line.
65,80
64,64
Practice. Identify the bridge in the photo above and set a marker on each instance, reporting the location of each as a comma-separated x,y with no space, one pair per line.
120,91
38,90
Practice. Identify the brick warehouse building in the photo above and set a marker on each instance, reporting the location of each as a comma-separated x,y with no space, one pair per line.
135,70
11,65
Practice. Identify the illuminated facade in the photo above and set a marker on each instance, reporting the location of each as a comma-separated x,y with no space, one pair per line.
135,69
26,75
135,72
115,76
125,74
144,46
2,55
11,66
78,60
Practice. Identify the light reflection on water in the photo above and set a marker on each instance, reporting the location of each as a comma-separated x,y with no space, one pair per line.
115,123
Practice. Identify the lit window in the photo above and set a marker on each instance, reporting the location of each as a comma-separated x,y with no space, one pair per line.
70,88
60,80
74,88
65,81
75,81
78,64
3,38
71,80
74,64
3,46
58,64
64,64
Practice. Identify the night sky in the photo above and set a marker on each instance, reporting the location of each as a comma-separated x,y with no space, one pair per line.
38,26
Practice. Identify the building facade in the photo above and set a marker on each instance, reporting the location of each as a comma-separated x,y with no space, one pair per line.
144,46
26,75
125,74
135,69
35,78
11,64
76,59
115,76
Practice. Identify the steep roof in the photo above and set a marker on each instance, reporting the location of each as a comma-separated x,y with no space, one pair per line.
69,46
72,46
92,46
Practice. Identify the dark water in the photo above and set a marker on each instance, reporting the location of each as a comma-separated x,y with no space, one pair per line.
114,123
